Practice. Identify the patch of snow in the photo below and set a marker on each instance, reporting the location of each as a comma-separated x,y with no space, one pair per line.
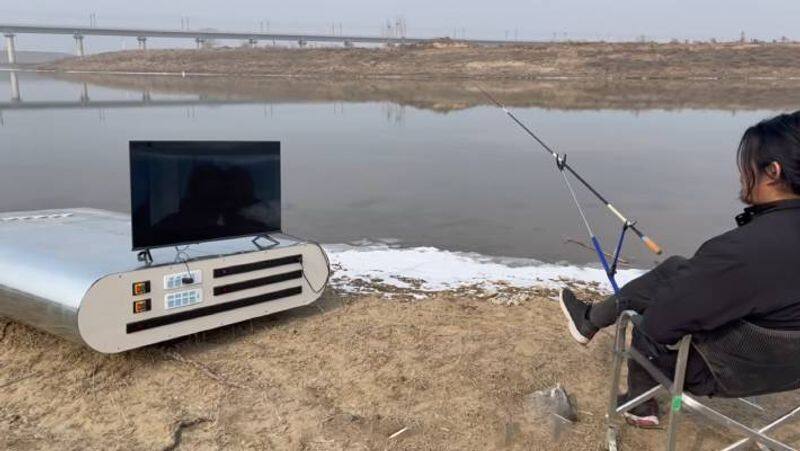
431,269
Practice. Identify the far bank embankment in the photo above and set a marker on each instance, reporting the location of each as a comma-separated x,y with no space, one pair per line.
450,95
546,60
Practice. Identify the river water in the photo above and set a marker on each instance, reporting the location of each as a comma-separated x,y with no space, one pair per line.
467,181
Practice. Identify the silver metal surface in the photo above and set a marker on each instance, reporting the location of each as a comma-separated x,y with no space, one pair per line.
50,260
676,391
641,399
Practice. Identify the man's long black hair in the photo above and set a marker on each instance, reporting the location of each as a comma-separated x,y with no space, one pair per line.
771,140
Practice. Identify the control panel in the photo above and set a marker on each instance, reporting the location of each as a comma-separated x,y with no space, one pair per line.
172,281
182,299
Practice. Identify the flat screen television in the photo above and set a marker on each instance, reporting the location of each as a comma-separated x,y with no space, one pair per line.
185,192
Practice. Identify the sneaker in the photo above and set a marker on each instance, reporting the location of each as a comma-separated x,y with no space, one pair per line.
576,312
643,416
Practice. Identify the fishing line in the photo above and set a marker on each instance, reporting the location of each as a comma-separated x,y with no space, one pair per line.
563,167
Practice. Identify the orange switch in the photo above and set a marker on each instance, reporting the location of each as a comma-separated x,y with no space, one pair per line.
140,288
142,305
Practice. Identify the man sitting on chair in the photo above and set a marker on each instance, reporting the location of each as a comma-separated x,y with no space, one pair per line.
743,283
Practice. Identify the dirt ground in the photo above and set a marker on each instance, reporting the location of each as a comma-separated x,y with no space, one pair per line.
545,60
452,373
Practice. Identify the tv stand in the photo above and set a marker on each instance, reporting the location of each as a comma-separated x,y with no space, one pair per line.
265,237
145,256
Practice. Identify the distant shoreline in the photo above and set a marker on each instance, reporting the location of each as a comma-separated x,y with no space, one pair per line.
445,95
546,61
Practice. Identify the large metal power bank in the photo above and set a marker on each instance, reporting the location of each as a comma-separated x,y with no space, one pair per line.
72,273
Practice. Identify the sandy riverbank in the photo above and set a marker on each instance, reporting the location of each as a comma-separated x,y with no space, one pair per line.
345,373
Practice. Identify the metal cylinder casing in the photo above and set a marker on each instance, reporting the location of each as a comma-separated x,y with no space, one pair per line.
70,272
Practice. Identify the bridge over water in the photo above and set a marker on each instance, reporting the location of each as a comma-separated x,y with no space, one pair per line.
202,36
86,102
144,99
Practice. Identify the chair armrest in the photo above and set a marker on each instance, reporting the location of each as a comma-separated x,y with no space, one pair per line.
636,319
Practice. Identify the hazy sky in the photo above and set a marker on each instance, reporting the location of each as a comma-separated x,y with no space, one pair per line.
531,19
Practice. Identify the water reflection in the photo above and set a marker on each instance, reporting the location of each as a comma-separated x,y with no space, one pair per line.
14,80
367,168
456,95
84,100
394,113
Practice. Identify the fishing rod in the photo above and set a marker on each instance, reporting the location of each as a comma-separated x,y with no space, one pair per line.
562,165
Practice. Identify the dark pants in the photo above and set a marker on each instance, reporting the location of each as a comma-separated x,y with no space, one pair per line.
638,295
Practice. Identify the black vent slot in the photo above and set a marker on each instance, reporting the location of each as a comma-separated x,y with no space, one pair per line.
210,310
260,282
250,267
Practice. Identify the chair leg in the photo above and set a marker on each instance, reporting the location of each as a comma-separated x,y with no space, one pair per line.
755,435
676,392
616,371
745,442
679,398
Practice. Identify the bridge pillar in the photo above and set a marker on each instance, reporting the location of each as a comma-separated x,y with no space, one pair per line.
79,45
85,94
142,42
15,97
12,53
200,42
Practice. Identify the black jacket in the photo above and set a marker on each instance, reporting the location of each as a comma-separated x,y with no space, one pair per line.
751,273
739,297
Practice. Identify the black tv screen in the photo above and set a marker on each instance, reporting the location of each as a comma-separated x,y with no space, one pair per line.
186,192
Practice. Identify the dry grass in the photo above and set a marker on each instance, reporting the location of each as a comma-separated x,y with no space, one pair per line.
592,60
341,374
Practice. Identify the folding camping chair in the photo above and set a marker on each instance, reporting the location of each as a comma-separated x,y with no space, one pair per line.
679,399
